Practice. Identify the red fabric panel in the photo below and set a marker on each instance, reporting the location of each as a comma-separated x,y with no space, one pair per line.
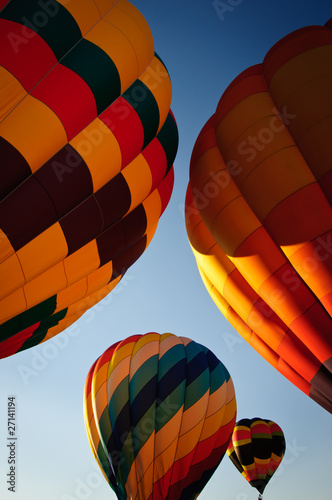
155,156
165,189
69,97
24,53
13,344
127,127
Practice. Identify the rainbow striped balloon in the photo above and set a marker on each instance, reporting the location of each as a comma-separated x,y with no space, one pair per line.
159,413
256,449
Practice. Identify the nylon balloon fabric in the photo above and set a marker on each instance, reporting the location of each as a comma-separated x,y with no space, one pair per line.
159,412
258,208
87,144
256,449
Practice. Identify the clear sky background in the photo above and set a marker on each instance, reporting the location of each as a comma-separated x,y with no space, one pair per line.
203,50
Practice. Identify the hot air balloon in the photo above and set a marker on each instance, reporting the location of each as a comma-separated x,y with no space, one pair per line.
87,144
159,412
256,449
258,208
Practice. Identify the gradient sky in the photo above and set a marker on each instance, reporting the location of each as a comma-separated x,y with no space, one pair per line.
203,49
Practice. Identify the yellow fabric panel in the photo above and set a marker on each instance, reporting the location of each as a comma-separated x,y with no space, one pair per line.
219,300
133,24
98,389
100,150
34,130
157,79
217,267
45,285
100,277
315,147
297,71
194,415
250,110
11,275
42,252
85,12
105,5
11,92
12,304
82,262
146,346
276,178
139,179
6,249
233,225
121,353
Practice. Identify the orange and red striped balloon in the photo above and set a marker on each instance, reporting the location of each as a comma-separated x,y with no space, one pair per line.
258,208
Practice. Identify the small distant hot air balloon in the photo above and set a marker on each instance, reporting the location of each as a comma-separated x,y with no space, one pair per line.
256,449
159,413
87,144
258,208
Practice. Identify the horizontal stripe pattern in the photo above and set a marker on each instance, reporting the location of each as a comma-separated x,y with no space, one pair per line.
164,408
256,449
87,172
258,213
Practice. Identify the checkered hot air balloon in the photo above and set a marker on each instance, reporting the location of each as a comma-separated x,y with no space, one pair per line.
256,449
159,413
87,144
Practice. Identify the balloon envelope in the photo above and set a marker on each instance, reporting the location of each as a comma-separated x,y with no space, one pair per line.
159,413
87,144
256,449
258,208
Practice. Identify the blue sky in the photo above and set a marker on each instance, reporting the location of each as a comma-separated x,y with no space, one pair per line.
204,47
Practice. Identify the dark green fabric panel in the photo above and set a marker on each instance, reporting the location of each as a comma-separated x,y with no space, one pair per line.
97,69
41,332
144,103
49,19
168,137
28,318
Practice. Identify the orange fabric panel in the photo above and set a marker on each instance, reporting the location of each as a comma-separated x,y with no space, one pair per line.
6,248
233,224
303,362
105,5
12,304
37,139
293,377
139,179
264,350
257,258
133,24
42,252
100,150
11,275
82,262
45,285
157,79
11,92
278,177
85,12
